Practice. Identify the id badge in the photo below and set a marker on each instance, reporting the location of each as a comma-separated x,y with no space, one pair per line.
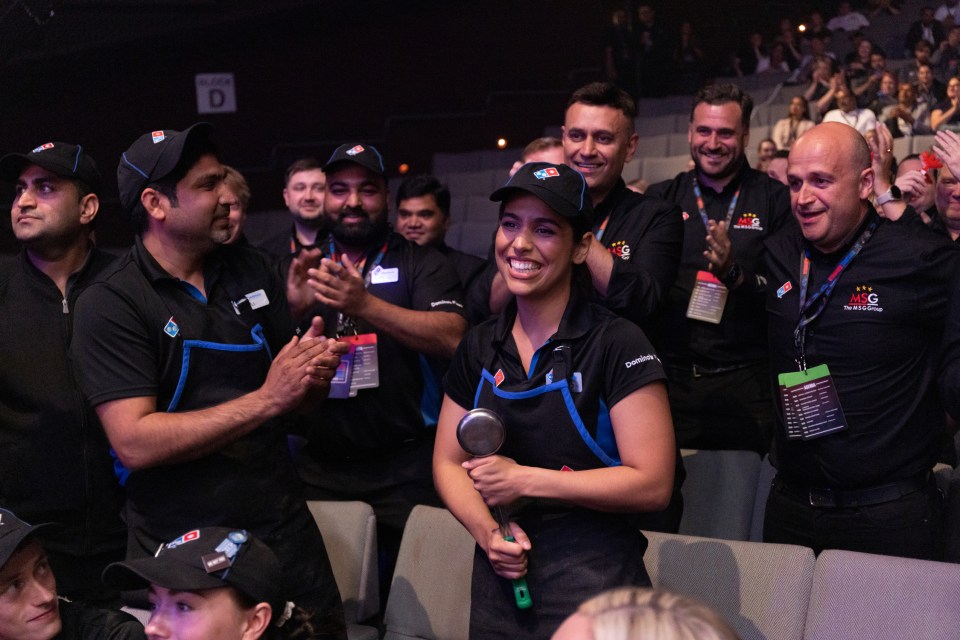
340,383
708,299
366,365
811,406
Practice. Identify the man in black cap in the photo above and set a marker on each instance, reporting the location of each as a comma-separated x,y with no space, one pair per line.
395,301
185,352
54,458
29,607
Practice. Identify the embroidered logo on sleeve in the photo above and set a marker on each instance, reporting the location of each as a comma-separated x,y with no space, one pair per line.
864,298
171,328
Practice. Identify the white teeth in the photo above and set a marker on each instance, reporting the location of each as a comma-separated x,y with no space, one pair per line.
523,265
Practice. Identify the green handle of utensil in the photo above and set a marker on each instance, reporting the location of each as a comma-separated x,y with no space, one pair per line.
520,591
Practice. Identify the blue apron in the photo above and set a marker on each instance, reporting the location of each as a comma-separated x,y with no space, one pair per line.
577,552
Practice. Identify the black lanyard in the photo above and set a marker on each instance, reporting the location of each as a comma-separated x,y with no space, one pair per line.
811,309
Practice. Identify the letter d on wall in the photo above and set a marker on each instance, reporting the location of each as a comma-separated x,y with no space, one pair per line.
216,93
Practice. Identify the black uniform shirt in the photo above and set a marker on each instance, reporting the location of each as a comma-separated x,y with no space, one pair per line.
763,208
644,234
376,420
880,336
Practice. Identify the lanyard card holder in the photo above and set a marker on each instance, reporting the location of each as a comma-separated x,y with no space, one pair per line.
811,406
340,383
366,364
708,299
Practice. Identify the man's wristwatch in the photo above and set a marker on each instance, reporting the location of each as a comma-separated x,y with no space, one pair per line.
890,195
730,280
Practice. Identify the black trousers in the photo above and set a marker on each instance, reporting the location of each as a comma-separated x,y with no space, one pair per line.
910,527
729,410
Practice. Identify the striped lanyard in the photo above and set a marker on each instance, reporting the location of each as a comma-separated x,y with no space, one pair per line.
703,210
822,295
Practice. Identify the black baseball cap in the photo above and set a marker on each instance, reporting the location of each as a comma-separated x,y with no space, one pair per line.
62,158
561,188
364,155
13,531
206,558
152,157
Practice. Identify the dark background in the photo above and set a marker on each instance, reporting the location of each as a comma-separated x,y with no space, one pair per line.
411,77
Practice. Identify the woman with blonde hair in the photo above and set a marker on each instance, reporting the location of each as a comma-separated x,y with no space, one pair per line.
639,614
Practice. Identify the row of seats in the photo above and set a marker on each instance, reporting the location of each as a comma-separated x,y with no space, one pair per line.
765,591
762,589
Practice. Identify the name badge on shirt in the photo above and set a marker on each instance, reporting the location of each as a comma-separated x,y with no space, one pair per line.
708,299
811,406
257,299
379,275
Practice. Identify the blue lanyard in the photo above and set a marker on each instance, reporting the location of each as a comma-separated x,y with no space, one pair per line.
822,295
363,263
702,209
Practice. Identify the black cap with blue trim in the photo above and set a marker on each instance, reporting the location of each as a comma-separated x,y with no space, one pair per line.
561,188
61,158
153,156
364,155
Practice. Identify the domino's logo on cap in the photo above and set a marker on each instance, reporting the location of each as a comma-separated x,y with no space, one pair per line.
543,174
158,136
42,147
357,149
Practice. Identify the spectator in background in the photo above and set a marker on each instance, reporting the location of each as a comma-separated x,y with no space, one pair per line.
946,115
621,53
886,94
824,84
644,614
948,200
847,19
816,28
922,51
238,191
654,53
945,58
817,50
777,62
752,57
545,149
929,89
791,46
688,61
787,130
950,9
868,85
765,151
918,186
927,28
907,117
848,113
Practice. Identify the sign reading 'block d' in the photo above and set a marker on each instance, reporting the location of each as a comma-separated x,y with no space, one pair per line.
216,93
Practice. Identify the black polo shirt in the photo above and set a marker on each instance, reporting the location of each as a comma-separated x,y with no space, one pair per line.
611,353
644,234
762,209
378,420
880,336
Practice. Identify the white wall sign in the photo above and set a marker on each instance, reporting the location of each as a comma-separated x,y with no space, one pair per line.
216,93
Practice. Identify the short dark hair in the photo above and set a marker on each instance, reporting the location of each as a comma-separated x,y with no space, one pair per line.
425,185
606,94
196,147
303,164
722,93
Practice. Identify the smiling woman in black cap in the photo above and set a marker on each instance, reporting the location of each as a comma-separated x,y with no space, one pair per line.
213,583
589,441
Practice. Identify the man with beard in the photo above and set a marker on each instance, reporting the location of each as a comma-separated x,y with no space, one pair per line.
393,301
185,352
711,334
